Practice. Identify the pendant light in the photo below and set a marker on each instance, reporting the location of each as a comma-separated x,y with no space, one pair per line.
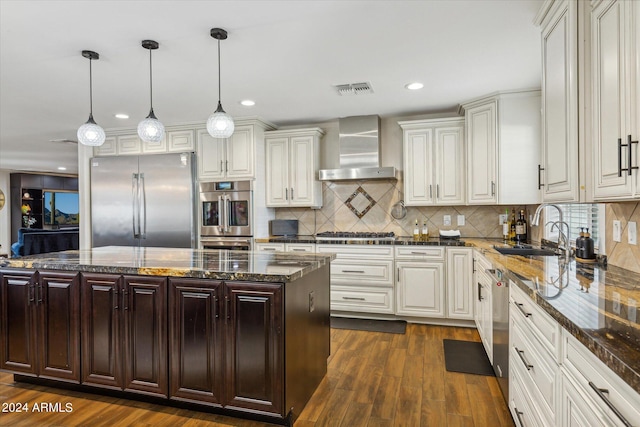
219,124
90,133
150,129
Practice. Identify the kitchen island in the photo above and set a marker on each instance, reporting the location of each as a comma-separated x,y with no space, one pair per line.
235,332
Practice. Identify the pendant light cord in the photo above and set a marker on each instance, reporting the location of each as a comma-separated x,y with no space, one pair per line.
150,80
219,75
90,90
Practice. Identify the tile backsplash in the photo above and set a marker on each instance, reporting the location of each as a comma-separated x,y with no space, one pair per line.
622,254
367,206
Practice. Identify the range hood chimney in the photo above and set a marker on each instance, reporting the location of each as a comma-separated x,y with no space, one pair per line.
359,152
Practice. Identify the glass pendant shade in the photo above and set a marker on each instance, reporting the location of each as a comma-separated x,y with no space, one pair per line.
91,134
151,129
220,124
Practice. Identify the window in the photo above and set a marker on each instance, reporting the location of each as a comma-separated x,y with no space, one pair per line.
586,215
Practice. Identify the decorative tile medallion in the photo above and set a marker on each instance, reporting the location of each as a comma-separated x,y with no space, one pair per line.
360,202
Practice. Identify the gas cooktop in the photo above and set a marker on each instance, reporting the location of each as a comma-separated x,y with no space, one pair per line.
355,235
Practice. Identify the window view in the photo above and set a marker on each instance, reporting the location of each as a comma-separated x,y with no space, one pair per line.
61,208
585,215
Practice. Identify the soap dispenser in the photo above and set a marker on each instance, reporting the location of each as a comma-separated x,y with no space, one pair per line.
580,244
589,251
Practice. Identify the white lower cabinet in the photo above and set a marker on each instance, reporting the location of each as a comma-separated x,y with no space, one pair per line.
483,314
460,283
554,380
362,279
285,247
607,399
420,285
420,288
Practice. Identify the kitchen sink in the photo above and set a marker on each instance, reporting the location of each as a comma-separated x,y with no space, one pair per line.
524,250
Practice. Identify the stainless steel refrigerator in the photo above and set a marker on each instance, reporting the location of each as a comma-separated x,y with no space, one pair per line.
146,201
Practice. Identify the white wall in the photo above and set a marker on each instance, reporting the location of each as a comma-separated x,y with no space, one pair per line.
5,214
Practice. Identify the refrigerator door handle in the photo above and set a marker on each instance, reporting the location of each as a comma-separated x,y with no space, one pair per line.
142,212
134,201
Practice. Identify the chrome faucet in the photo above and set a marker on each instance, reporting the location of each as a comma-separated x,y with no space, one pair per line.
563,239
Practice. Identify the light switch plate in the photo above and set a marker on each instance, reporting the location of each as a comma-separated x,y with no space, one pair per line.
616,231
632,233
502,219
460,220
447,220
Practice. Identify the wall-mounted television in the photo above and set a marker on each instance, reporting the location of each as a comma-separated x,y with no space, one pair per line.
61,208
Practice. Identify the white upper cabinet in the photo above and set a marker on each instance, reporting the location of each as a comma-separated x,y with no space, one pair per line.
227,158
615,68
559,175
433,162
292,164
502,133
240,157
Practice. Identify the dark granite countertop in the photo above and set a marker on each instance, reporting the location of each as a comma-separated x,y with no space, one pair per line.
595,304
176,262
399,240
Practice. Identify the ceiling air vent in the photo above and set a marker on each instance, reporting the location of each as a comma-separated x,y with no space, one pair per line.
354,89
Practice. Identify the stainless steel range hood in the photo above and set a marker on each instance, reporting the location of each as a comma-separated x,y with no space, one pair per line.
359,152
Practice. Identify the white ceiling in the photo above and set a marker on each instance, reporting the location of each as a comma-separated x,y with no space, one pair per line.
285,55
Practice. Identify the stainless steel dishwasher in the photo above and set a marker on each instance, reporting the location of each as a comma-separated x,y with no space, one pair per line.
500,326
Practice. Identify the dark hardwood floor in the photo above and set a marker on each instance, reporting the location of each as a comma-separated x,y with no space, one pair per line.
373,379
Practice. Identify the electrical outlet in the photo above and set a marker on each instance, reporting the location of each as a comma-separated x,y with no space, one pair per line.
632,312
502,218
460,220
617,231
616,303
447,220
632,233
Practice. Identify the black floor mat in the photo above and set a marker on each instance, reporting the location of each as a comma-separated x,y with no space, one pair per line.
468,357
389,326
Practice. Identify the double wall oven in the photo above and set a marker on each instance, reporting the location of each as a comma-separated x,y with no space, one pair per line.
226,215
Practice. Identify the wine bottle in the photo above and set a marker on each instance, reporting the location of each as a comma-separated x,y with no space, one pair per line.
512,225
505,226
521,228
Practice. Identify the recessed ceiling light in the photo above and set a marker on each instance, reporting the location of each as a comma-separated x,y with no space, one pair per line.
248,103
414,86
122,116
62,168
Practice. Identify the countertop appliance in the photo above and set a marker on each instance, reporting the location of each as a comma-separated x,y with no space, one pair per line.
283,227
144,201
226,215
500,317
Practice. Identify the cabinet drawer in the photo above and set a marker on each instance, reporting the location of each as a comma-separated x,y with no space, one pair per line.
272,247
537,367
521,403
420,252
542,325
300,247
357,251
588,371
481,262
362,299
367,273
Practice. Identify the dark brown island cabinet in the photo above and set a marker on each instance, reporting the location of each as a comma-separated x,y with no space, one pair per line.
239,347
